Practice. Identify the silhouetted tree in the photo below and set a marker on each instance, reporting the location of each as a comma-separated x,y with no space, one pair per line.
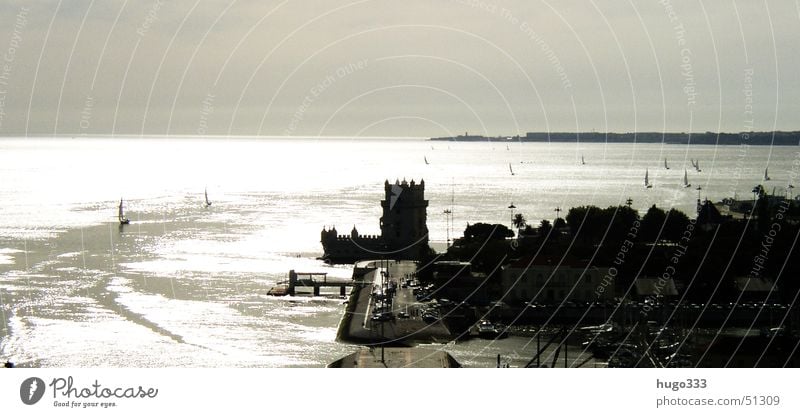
519,221
675,225
652,223
583,222
545,227
485,231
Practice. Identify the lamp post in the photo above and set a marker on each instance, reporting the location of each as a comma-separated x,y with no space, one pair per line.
511,208
447,214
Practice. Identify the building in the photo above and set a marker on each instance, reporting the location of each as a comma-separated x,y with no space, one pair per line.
755,289
548,280
404,230
455,280
654,288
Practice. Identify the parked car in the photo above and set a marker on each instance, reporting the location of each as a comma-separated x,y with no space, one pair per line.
382,316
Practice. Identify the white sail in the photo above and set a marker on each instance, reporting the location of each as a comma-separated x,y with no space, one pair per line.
510,169
686,179
647,179
582,161
205,193
121,214
426,160
766,174
665,163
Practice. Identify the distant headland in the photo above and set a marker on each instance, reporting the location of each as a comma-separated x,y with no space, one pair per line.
777,138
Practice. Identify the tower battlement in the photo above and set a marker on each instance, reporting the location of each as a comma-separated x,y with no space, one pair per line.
404,232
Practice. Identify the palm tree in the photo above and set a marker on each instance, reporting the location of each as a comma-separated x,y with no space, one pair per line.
519,221
545,227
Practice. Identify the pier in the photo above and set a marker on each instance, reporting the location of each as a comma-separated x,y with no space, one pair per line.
314,280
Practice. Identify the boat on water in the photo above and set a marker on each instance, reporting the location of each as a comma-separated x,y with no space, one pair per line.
205,192
583,162
279,290
121,214
686,179
647,179
766,174
510,169
696,165
426,160
666,166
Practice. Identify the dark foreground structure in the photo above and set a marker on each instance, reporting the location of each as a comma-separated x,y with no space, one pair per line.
396,357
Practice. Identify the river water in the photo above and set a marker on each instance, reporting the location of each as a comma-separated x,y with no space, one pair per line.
185,284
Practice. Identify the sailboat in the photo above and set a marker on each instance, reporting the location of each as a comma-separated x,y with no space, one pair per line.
697,165
686,179
582,161
766,174
205,192
121,214
510,169
665,164
426,160
647,179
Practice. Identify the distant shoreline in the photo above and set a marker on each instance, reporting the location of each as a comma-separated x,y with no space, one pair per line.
777,138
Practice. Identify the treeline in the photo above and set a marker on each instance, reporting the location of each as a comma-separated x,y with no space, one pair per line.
704,258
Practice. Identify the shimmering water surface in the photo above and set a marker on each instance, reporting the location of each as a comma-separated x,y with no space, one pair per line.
185,285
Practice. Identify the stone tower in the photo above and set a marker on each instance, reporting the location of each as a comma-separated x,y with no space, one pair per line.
403,225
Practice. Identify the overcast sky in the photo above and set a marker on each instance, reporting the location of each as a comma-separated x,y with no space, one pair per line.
397,68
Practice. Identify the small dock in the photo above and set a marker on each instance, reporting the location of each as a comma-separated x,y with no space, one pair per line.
313,280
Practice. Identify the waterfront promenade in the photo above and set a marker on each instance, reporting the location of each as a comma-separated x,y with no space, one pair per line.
358,325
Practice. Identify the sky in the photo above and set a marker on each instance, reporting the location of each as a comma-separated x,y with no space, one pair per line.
401,69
